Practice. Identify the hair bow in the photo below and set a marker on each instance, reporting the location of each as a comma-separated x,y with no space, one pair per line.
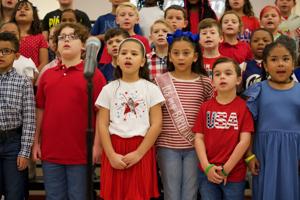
179,33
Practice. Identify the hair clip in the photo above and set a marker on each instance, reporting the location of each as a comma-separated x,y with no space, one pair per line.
179,33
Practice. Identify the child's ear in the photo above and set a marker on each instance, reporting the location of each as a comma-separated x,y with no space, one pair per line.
143,62
17,55
239,80
117,20
195,57
186,22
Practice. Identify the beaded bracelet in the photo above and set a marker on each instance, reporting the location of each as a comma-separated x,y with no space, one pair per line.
208,168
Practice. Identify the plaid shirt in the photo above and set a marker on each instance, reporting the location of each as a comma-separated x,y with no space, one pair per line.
17,108
156,65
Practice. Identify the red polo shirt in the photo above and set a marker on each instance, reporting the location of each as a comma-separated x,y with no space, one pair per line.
62,94
240,52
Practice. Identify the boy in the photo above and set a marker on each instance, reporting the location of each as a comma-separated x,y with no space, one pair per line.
113,38
157,59
17,120
210,36
176,16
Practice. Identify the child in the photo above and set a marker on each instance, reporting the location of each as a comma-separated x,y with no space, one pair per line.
274,104
197,10
60,138
231,47
17,121
252,70
176,16
69,15
157,59
6,9
185,87
210,37
270,19
113,38
223,134
32,43
129,122
245,12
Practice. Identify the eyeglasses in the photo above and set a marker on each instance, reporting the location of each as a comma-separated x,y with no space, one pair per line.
7,51
69,37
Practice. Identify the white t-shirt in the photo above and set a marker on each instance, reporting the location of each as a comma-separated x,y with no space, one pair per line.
25,67
129,105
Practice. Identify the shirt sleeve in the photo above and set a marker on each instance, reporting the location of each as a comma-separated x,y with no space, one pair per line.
247,123
97,27
156,95
40,96
45,23
199,123
85,20
99,83
104,99
42,42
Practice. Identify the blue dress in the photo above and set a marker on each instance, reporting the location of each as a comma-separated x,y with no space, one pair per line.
276,141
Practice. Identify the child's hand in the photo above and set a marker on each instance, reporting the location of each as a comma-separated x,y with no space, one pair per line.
213,175
132,158
116,161
254,166
97,152
36,151
22,163
224,177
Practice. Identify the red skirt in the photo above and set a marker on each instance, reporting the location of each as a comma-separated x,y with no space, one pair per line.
138,182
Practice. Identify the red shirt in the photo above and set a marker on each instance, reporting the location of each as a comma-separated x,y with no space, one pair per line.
31,45
221,126
62,94
240,52
250,23
208,64
194,20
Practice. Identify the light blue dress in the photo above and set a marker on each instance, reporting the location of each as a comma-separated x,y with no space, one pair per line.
276,141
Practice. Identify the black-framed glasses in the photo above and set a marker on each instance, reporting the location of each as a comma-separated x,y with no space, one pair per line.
7,51
69,37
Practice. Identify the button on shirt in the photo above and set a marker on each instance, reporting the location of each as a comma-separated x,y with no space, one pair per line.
17,107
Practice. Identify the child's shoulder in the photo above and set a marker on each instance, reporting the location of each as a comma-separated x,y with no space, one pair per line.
107,16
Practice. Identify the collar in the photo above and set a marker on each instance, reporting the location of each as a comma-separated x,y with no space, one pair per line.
78,67
153,54
10,72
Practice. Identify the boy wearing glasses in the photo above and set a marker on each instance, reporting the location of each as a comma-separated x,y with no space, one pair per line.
17,121
60,138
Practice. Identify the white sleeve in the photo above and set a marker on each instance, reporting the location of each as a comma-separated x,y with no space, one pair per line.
104,97
156,95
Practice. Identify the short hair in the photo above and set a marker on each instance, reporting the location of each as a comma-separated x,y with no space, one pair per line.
115,32
12,38
176,7
236,65
80,30
14,23
261,29
234,13
129,5
72,11
161,21
209,23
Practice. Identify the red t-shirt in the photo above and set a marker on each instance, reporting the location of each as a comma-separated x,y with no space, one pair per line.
106,58
62,94
240,52
30,46
250,23
208,64
194,20
221,126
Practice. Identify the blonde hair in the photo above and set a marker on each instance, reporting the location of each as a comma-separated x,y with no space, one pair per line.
127,5
161,21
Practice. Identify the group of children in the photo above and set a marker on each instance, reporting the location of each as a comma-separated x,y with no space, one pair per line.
175,105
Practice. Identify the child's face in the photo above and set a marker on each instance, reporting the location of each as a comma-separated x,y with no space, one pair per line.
69,44
225,78
127,18
279,64
159,34
113,45
24,13
65,2
131,58
68,17
118,2
270,20
11,28
6,61
9,3
259,41
230,24
236,4
182,55
209,38
176,19
285,6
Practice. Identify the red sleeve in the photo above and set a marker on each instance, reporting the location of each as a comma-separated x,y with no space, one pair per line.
43,42
99,82
105,57
40,95
247,123
249,52
200,122
256,23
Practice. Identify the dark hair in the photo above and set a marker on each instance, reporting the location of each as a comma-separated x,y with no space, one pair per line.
247,8
71,11
176,7
234,13
236,65
35,27
12,38
2,25
261,29
204,11
143,71
115,32
1,11
197,67
209,23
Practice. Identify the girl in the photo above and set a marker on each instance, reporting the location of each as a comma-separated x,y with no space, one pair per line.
129,122
6,10
196,11
186,86
223,134
32,43
252,69
69,15
60,138
274,104
270,19
245,12
231,47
